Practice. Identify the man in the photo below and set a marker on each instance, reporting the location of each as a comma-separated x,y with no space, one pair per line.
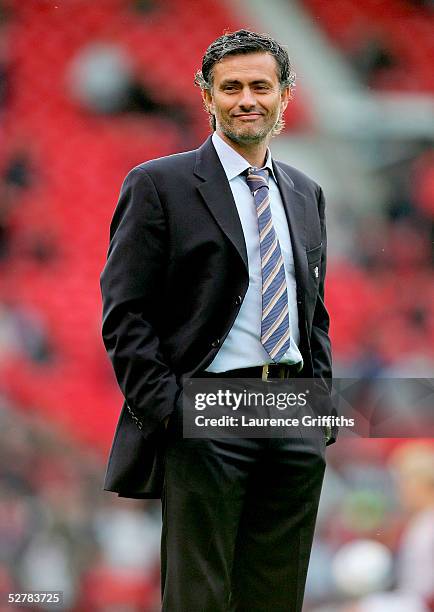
216,267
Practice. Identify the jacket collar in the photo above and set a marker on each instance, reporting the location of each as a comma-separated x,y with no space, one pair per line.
217,194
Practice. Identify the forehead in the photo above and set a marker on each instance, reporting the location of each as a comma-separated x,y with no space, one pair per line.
246,67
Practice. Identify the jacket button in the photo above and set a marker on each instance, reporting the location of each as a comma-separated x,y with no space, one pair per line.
298,301
216,343
238,300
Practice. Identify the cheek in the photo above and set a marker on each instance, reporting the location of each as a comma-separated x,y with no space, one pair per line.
221,109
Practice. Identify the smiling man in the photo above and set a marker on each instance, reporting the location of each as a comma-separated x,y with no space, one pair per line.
246,101
216,269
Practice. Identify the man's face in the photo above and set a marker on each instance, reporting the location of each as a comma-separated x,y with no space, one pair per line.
246,98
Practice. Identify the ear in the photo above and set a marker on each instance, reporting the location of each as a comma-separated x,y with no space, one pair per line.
208,101
285,97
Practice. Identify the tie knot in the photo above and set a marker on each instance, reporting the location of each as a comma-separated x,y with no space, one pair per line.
256,178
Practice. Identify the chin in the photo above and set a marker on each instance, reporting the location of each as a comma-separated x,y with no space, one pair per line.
253,137
245,136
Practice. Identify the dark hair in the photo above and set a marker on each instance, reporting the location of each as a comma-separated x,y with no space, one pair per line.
239,43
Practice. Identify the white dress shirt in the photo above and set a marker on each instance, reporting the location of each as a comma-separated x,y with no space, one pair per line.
242,347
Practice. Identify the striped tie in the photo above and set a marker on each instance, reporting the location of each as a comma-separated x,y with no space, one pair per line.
275,334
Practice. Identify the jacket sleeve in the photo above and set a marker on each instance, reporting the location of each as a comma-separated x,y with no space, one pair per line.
320,340
132,284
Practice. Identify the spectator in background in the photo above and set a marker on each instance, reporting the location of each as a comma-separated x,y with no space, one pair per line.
103,79
413,464
22,331
15,179
371,57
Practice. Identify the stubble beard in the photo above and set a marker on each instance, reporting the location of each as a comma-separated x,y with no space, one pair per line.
246,137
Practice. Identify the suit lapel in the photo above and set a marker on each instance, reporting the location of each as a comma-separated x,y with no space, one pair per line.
217,194
295,208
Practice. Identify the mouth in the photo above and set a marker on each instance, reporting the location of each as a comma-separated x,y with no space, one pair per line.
244,116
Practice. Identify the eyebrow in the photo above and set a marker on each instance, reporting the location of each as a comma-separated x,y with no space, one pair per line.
237,82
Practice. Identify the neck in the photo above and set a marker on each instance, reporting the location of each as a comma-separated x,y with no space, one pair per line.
254,153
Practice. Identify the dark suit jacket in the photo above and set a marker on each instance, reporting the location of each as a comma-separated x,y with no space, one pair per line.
174,281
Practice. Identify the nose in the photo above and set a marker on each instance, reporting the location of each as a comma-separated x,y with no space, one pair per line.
247,99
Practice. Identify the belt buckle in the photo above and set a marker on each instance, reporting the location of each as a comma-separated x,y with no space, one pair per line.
266,371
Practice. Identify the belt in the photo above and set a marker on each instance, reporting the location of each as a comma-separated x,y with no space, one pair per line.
267,372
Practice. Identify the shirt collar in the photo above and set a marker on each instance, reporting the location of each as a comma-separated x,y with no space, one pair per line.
233,163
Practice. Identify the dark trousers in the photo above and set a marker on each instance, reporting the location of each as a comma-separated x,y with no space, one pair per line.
238,522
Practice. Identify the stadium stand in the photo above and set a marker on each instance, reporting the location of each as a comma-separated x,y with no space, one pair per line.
61,167
380,35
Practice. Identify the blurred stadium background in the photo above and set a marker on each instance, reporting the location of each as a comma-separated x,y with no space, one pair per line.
88,89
